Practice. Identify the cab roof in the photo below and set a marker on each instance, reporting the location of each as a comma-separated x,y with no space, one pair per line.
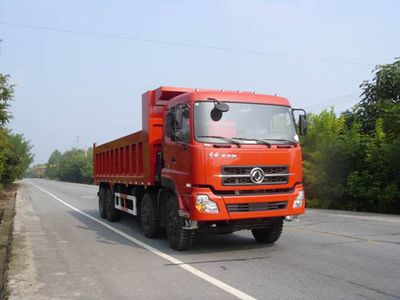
166,94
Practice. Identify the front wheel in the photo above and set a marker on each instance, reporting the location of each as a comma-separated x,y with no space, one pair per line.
179,238
270,234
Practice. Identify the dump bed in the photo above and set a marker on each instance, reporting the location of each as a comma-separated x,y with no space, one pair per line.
132,159
121,160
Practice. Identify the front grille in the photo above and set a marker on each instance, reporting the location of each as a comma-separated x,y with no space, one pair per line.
245,170
253,192
259,206
274,175
247,181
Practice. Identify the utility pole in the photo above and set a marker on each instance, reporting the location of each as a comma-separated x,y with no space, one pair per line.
77,141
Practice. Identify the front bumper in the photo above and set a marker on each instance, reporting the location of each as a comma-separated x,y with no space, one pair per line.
226,214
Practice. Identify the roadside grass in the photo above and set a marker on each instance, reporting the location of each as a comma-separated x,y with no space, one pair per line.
7,212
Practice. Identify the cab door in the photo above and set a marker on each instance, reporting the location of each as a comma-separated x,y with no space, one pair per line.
177,148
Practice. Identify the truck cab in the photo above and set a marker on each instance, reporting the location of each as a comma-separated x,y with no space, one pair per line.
234,159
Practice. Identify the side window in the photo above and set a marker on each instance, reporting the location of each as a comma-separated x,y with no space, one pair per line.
185,124
178,123
170,123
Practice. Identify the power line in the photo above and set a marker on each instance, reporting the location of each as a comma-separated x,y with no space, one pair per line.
179,44
337,100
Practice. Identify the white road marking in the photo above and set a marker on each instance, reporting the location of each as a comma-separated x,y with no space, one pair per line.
368,218
214,281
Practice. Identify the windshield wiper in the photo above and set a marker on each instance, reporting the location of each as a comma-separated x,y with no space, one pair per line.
226,139
252,139
282,140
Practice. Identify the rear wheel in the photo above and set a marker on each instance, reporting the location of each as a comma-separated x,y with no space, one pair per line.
270,234
102,204
112,213
149,215
179,238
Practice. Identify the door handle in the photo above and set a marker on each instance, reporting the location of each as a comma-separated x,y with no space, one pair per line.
173,159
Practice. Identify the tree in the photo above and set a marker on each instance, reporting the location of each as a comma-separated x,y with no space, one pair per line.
329,149
87,170
4,146
352,161
379,114
53,164
15,151
379,95
75,166
6,95
17,158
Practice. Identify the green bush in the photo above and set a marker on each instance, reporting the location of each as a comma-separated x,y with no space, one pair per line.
15,151
352,161
75,165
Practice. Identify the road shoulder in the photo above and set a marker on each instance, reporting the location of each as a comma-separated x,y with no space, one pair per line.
22,272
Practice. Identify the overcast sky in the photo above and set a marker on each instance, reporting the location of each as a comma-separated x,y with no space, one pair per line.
315,53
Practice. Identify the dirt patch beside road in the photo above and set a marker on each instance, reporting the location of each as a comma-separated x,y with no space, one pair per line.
7,212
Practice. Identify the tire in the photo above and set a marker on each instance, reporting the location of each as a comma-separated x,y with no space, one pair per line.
102,204
179,238
112,214
149,215
269,235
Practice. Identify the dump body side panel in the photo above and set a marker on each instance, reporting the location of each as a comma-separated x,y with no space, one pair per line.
121,160
132,159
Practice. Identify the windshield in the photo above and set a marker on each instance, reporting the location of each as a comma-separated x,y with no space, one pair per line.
245,123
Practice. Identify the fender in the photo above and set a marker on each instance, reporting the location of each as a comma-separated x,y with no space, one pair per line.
107,184
169,183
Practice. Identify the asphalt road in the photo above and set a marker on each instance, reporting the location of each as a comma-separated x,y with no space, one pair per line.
62,250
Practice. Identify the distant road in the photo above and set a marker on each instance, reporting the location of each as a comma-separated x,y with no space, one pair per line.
63,250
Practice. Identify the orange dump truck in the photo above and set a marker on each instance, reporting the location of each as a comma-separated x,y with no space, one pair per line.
206,161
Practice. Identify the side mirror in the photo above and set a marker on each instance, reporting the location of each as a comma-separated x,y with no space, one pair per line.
302,120
186,111
218,110
302,125
221,106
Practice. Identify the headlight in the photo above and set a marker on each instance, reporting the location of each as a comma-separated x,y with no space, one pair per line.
204,204
298,202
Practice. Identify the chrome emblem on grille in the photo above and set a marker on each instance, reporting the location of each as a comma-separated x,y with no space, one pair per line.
257,175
